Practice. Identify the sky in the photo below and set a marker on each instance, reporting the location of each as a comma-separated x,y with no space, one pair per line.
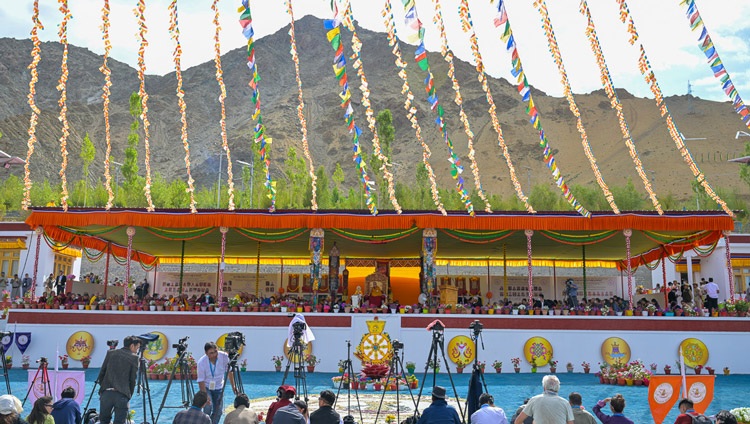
663,28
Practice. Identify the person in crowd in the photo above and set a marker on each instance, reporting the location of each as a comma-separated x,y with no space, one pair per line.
194,414
11,410
117,380
325,413
284,395
49,284
40,413
672,292
687,413
488,413
580,414
67,410
725,417
687,295
15,287
712,295
293,413
439,412
548,406
571,291
242,413
206,298
142,290
26,285
60,283
211,370
617,405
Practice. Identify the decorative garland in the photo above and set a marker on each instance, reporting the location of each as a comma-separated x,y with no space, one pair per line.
411,110
35,112
272,237
524,89
458,99
174,32
39,230
554,49
709,50
223,231
140,13
609,88
420,57
729,266
62,87
339,69
648,74
169,235
373,238
246,21
468,26
301,107
460,236
369,113
130,232
222,98
578,240
105,105
530,268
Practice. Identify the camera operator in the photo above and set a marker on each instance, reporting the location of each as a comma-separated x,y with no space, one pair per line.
117,379
211,370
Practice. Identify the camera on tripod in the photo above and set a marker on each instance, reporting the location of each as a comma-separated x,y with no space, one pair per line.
112,343
397,345
181,345
298,328
234,342
41,360
476,326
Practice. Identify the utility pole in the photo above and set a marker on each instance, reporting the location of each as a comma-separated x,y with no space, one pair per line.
252,177
218,184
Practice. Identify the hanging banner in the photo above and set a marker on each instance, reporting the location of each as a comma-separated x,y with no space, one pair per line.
22,341
664,392
58,380
7,341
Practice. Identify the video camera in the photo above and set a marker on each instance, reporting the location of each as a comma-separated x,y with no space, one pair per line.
181,345
234,342
476,326
298,328
41,360
112,343
397,345
148,337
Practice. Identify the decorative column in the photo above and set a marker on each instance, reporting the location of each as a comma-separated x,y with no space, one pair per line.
257,273
316,258
130,232
730,272
39,231
222,265
429,250
664,281
505,272
106,268
333,271
583,257
530,233
628,232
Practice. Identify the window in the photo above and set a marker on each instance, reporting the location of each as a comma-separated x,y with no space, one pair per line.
741,279
9,261
63,263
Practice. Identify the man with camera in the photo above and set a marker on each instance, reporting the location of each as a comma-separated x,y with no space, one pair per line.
117,380
212,367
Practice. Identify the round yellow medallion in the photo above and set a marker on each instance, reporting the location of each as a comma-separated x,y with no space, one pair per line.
461,348
80,344
158,348
615,351
694,351
537,350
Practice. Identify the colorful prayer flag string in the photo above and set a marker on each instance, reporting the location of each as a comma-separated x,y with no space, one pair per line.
301,107
369,113
554,49
62,87
246,21
458,99
614,101
411,109
174,32
468,26
222,98
104,69
31,98
140,13
648,74
524,89
339,69
706,45
420,57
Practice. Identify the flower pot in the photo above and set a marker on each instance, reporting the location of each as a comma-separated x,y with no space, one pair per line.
378,386
283,309
278,369
517,370
711,372
153,307
459,370
667,372
25,366
411,369
570,369
697,370
243,369
644,313
85,364
80,307
554,370
586,370
498,370
621,381
605,380
629,313
533,370
638,382
629,381
311,368
65,366
490,312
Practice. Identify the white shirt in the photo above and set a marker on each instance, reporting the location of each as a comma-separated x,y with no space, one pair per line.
712,290
489,415
213,374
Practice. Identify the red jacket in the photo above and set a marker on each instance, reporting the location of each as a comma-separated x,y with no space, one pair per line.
275,407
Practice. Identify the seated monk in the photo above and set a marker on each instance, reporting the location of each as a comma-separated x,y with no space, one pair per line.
376,297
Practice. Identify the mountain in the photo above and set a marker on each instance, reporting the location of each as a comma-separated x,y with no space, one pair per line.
713,124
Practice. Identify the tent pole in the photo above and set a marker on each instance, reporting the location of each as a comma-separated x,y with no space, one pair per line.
106,269
182,265
554,277
585,291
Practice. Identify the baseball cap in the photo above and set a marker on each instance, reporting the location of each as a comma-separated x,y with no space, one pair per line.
10,404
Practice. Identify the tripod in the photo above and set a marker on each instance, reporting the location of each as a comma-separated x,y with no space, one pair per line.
472,398
142,385
349,372
5,369
296,357
186,384
396,368
42,370
438,342
233,372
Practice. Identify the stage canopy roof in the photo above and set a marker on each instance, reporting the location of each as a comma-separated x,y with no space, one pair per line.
462,239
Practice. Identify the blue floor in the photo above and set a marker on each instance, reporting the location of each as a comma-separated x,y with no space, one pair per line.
509,391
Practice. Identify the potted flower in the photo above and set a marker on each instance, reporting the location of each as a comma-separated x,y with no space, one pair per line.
64,361
710,370
377,384
460,365
342,365
726,370
277,360
667,369
586,367
25,362
410,367
498,366
653,367
553,366
482,366
698,368
243,365
533,364
434,365
85,361
516,364
311,360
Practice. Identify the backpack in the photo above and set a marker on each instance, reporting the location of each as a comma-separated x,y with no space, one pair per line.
700,419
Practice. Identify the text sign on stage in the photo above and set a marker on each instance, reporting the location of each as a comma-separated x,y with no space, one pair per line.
199,282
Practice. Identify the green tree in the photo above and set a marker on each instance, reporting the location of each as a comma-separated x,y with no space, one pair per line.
337,196
592,198
129,168
543,198
87,155
325,199
627,197
422,192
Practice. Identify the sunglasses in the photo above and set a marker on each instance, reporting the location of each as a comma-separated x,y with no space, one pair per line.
49,405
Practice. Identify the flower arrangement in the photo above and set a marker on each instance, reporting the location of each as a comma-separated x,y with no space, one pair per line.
726,370
667,368
516,362
277,360
698,368
553,363
482,365
311,360
64,359
410,364
497,364
390,419
131,415
653,366
25,360
605,310
243,364
86,359
461,363
585,365
742,414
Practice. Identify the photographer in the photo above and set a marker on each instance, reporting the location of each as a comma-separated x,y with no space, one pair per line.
117,379
211,370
